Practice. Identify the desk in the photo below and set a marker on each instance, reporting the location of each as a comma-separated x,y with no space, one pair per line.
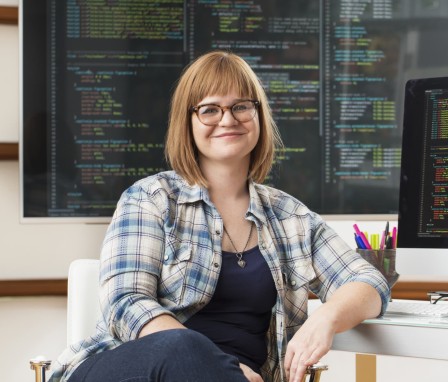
406,337
397,337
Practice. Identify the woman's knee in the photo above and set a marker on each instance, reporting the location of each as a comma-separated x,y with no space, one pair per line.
162,356
198,358
180,340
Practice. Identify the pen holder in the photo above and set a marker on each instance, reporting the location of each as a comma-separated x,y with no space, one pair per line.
384,261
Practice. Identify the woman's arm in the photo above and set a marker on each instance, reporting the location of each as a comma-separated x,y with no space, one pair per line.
352,290
348,306
131,262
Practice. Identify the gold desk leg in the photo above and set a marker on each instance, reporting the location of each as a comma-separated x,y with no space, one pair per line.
365,367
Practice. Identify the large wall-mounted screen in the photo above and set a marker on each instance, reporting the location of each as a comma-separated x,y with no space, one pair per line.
97,78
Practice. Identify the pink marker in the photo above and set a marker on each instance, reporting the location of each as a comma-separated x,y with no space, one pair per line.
383,240
362,236
394,237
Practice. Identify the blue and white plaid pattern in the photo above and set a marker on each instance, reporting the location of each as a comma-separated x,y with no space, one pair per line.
162,255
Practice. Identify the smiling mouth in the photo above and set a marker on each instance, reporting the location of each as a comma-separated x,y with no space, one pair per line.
228,135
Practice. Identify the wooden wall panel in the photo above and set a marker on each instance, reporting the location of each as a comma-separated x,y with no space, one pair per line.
33,287
409,290
9,151
9,15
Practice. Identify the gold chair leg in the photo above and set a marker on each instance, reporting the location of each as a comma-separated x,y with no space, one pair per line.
314,372
39,365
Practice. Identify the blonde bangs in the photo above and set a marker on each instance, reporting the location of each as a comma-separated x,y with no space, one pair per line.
223,75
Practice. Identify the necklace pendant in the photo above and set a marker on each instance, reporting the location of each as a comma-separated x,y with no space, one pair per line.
241,263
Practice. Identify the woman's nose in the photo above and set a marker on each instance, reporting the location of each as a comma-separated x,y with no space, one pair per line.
228,118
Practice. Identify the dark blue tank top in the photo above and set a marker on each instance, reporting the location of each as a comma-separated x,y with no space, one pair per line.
238,315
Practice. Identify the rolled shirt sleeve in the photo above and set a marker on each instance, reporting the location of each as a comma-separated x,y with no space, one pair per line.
131,261
335,264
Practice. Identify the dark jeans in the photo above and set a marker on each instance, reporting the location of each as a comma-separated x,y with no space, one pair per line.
178,355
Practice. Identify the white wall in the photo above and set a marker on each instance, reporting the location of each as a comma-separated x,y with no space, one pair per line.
9,3
31,326
9,80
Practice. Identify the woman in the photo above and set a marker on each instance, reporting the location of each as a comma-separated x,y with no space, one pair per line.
205,273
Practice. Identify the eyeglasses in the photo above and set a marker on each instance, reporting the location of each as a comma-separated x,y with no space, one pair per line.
211,114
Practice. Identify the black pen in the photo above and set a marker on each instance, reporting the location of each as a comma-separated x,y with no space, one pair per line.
386,235
389,243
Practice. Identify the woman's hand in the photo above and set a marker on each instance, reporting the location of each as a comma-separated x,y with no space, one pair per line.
251,375
350,304
311,342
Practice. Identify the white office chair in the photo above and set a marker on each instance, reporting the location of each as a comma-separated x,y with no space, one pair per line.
83,311
83,308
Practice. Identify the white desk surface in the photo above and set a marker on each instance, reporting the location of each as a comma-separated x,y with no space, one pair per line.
407,337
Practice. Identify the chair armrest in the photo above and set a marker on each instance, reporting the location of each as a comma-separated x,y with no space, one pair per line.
314,372
40,365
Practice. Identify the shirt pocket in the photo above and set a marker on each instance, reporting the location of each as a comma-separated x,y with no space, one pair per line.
296,279
174,270
297,269
296,276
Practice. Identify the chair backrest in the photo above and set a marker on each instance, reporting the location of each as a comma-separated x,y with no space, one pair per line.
83,308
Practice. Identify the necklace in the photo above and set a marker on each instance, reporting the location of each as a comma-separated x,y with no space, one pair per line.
239,255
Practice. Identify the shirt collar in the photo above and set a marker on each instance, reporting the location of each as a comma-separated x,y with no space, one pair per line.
256,206
192,193
195,193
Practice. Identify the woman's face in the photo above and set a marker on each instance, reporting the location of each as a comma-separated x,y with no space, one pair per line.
228,139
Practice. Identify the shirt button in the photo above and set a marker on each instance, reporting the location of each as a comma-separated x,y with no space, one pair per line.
218,232
216,265
166,257
293,282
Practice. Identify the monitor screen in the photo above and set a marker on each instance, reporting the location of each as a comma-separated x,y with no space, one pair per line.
423,206
423,217
97,76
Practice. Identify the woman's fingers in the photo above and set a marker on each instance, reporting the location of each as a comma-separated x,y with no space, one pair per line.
305,349
250,375
297,369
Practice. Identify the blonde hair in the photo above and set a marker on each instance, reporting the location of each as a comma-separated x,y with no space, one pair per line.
217,73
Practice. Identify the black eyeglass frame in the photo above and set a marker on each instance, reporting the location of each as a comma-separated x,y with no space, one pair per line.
195,109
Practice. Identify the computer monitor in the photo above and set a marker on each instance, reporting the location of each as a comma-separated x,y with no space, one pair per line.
423,206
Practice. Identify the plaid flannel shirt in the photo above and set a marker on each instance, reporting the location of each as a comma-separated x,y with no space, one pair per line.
162,255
